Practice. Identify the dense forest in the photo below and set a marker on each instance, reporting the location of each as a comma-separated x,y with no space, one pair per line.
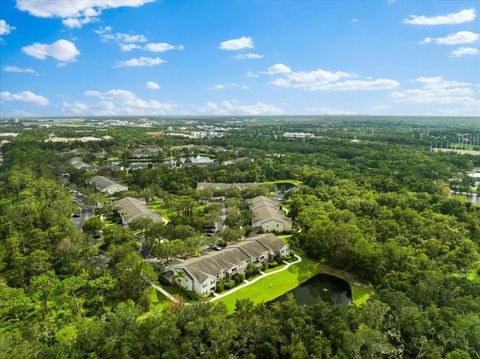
374,200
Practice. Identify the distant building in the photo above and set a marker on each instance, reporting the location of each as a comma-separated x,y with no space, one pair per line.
106,185
201,274
224,186
237,160
266,214
133,208
303,135
78,163
8,134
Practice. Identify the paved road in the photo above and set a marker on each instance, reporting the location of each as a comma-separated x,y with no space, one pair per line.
223,215
86,211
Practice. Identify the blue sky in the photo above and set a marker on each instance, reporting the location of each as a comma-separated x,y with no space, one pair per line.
141,57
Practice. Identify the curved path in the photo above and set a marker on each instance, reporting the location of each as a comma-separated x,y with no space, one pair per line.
219,296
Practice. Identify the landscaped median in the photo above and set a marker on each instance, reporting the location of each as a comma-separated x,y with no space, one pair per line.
278,283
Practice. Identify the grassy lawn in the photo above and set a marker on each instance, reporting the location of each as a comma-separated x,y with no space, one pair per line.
360,294
157,300
275,285
160,208
293,182
280,266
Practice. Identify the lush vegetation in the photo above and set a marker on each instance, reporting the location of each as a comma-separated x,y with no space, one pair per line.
378,209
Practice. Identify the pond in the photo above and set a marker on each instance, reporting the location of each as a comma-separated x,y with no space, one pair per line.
321,288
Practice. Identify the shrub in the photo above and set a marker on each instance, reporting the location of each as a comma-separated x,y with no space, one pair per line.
272,264
238,278
225,285
251,270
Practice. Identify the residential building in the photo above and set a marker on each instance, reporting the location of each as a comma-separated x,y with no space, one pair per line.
78,163
132,208
201,274
237,160
267,215
106,185
224,186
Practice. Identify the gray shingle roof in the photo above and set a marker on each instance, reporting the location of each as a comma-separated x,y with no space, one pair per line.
224,186
132,208
101,182
269,241
264,209
215,263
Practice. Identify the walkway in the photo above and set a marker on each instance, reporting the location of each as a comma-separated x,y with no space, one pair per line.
299,259
165,293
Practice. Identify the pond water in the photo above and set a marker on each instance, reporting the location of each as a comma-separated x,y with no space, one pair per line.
321,288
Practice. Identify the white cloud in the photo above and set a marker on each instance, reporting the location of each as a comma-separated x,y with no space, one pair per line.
25,96
27,70
161,47
323,80
354,20
248,56
129,42
152,85
461,51
76,23
251,74
118,102
74,13
141,62
328,111
232,107
5,29
452,18
106,34
437,90
75,108
62,50
129,47
278,69
461,37
237,44
229,85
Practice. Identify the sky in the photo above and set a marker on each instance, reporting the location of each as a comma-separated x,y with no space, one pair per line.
245,57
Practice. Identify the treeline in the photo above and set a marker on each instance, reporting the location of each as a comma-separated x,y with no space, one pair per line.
380,211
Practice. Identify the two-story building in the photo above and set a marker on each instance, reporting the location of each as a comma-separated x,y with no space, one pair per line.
201,274
267,215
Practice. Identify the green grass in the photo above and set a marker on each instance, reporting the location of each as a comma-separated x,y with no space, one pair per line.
273,286
157,300
164,211
293,182
280,266
360,294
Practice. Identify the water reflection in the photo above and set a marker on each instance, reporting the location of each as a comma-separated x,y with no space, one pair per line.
321,288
